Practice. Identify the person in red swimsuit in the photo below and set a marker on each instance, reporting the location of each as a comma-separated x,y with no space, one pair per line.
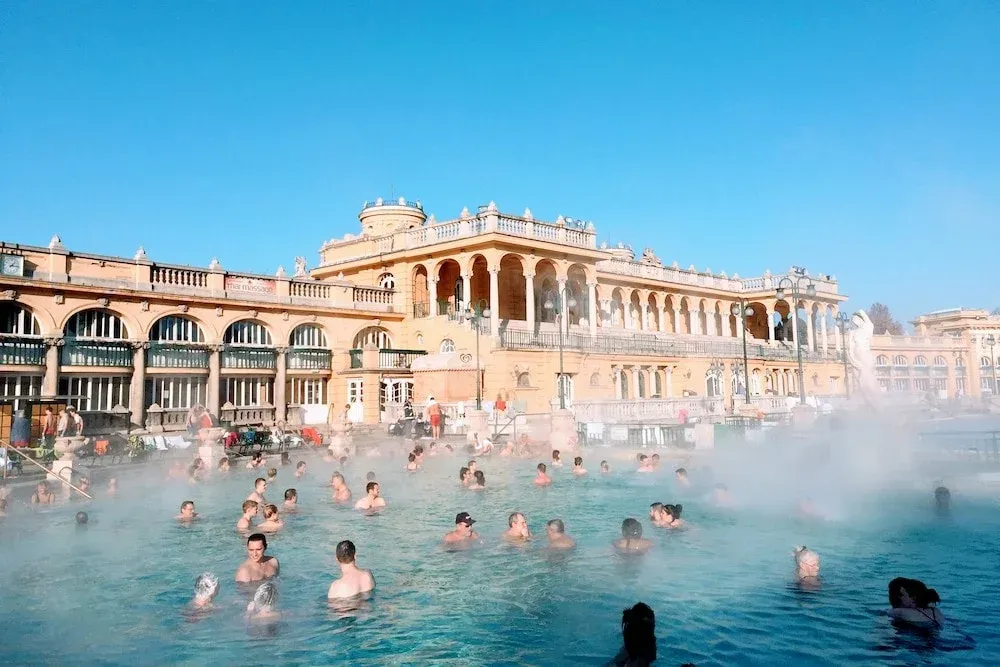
434,414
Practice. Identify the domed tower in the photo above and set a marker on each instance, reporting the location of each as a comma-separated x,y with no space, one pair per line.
384,217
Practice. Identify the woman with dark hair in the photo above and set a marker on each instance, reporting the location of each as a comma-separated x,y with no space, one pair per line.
638,637
912,602
631,541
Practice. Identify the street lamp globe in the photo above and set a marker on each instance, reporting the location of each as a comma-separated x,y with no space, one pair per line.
736,310
571,302
780,294
749,311
548,305
486,313
811,290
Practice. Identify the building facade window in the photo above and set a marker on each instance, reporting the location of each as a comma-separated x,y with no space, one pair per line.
373,335
95,393
96,323
523,380
248,391
18,321
176,392
307,391
447,345
20,385
922,384
248,332
308,335
174,328
387,281
901,384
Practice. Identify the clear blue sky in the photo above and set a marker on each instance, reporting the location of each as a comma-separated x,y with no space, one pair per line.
854,138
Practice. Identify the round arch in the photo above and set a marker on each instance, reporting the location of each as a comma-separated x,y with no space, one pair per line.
18,319
308,334
176,327
127,324
421,291
448,273
512,288
372,335
248,331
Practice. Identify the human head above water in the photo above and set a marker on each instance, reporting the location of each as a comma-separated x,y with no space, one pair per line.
480,478
206,586
81,518
639,634
555,454
681,473
370,476
463,472
541,467
631,529
249,505
911,593
265,597
578,461
371,487
557,526
942,496
291,494
346,552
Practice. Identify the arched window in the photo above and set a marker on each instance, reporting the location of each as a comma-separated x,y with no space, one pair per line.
642,383
176,329
881,360
17,320
308,335
96,323
920,360
523,380
713,384
960,362
657,385
940,361
247,332
623,382
447,345
755,387
899,360
985,362
387,281
374,335
595,380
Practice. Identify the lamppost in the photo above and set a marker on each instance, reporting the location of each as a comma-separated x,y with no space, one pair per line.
743,311
794,282
554,300
991,340
476,312
842,321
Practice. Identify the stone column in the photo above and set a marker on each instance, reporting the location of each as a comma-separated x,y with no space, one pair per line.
635,383
529,300
137,390
214,379
592,313
770,324
696,321
668,382
432,288
494,302
280,401
710,322
466,289
678,321
810,334
822,331
50,383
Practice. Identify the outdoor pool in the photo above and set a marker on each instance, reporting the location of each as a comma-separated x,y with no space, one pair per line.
114,592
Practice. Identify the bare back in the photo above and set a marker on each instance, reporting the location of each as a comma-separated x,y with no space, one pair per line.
352,582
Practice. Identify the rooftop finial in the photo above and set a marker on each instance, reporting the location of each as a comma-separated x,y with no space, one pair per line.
527,214
465,212
55,243
492,206
140,254
280,273
214,265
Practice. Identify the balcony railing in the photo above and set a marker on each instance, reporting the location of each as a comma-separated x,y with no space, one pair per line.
77,352
176,355
356,360
252,358
247,415
422,309
648,344
22,350
389,358
645,409
308,359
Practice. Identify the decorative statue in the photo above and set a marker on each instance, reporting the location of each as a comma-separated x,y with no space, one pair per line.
859,354
649,257
300,267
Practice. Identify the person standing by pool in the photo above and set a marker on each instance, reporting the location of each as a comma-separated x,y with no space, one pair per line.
517,528
257,566
555,530
250,510
20,430
631,541
434,414
578,468
463,529
372,498
542,479
50,424
341,494
353,580
259,487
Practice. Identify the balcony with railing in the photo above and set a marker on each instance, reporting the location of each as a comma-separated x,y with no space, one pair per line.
388,358
96,352
16,350
176,355
305,359
249,358
646,409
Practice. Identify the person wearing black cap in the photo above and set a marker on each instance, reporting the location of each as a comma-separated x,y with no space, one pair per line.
463,529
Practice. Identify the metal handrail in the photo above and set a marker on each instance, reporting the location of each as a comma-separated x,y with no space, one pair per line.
47,471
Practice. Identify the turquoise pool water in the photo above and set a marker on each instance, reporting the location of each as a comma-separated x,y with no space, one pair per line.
114,592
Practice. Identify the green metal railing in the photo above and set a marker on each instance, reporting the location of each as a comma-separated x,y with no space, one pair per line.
22,350
115,353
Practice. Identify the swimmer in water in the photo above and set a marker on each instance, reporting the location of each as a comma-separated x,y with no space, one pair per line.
370,476
942,499
654,460
82,518
913,603
644,464
605,468
411,462
473,467
639,637
286,459
507,449
259,487
654,511
341,494
224,464
463,529
542,479
631,541
112,487
418,454
300,469
556,461
806,565
264,605
432,449
291,500
682,477
464,476
721,496
555,530
353,580
372,499
256,461
272,474
250,510
187,511
258,566
517,528
478,481
193,474
342,461
578,468
206,587
670,517
272,522
42,494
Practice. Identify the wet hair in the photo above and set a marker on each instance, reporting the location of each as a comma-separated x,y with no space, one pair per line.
639,633
337,475
681,472
472,462
342,460
272,472
448,447
270,510
513,515
555,454
186,503
642,457
258,481
346,551
419,449
462,472
258,456
578,461
257,537
206,586
655,506
656,456
412,458
192,469
265,596
481,478
370,476
300,465
673,510
631,529
370,486
247,504
604,464
942,496
224,459
558,525
541,467
291,493
81,518
803,553
198,463
922,596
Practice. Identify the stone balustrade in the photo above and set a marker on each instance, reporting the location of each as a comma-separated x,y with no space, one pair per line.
645,410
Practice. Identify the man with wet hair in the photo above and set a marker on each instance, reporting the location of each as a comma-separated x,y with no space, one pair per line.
353,580
300,469
291,499
542,479
464,476
644,464
259,487
187,511
372,498
654,511
257,566
250,510
517,530
555,530
682,477
578,468
341,494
